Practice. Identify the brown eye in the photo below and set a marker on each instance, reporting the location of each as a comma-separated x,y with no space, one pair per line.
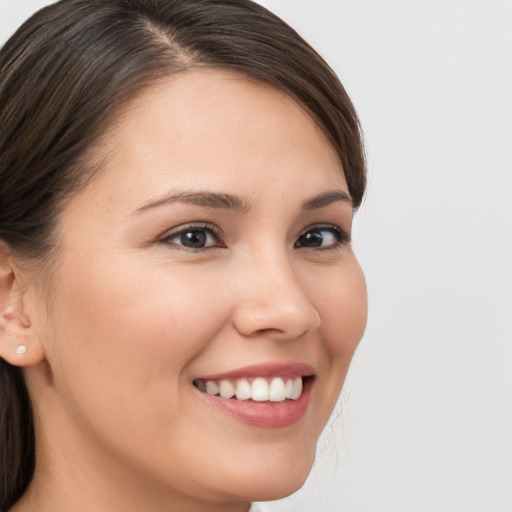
194,237
321,237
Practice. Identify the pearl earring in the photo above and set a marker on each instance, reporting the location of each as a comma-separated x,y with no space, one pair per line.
20,350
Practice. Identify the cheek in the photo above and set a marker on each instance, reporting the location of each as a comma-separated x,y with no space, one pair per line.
339,295
124,341
131,324
343,309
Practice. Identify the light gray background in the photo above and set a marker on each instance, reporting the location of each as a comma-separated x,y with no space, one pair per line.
426,414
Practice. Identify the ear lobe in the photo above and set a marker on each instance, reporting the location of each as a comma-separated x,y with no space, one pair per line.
19,343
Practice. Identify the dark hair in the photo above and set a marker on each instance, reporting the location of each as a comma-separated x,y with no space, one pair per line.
63,76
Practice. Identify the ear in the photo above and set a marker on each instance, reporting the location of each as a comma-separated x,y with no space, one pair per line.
19,343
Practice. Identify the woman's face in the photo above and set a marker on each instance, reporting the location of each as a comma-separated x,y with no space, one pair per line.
211,250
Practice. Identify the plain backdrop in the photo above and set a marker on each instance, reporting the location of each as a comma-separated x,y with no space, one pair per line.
425,420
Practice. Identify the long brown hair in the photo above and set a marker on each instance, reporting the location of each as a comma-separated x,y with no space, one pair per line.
63,76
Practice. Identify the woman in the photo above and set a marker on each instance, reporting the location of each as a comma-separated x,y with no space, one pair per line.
180,301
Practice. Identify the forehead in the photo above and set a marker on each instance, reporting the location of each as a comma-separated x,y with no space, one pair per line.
216,128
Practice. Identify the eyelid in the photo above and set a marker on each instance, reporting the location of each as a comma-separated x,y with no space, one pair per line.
199,225
345,236
325,225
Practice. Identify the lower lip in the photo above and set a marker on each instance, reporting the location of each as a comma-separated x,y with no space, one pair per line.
264,414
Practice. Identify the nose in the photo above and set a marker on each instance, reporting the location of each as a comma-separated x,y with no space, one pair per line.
272,301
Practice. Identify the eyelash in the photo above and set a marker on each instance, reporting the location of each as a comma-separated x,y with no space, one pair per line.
210,229
342,237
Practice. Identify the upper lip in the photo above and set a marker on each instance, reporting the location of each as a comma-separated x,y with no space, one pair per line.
265,370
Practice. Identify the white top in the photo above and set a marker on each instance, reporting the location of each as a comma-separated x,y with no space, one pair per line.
256,507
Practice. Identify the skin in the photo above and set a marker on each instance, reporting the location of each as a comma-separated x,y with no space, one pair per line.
135,316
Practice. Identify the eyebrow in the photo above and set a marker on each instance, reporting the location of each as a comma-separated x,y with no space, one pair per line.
213,200
220,201
326,199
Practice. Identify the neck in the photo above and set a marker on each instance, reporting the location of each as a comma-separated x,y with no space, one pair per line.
84,480
40,497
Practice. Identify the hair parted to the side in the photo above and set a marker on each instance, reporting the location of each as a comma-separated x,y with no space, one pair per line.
63,76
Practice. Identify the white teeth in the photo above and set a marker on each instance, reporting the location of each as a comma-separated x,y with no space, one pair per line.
289,387
296,388
259,390
226,389
243,390
211,387
277,390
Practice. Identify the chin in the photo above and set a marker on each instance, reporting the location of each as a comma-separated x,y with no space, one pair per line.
273,479
278,488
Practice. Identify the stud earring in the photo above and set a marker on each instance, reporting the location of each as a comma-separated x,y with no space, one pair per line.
20,350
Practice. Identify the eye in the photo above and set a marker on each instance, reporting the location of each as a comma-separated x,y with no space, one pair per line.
322,237
194,237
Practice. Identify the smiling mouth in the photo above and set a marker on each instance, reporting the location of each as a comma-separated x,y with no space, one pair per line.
255,389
